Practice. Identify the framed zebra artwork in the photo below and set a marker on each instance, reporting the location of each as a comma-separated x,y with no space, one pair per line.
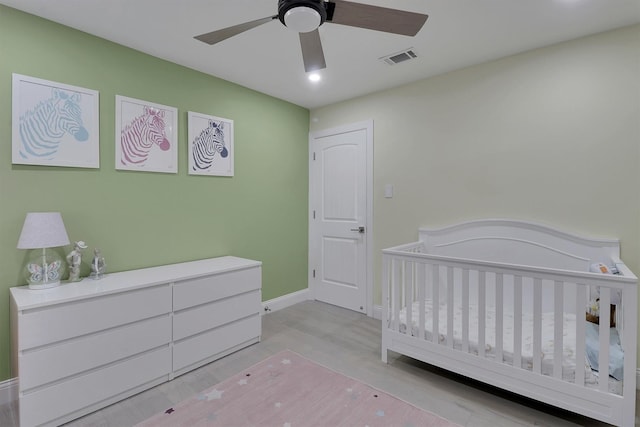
146,136
54,124
210,145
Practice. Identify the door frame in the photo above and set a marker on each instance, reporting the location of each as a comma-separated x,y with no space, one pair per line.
366,125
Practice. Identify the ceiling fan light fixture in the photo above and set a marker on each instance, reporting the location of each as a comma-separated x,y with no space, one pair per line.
302,19
302,16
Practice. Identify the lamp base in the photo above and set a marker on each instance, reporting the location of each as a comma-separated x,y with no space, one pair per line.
43,270
47,285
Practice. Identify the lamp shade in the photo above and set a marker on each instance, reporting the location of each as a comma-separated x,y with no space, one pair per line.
43,230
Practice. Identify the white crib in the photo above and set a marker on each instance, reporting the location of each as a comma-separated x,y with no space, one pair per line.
482,299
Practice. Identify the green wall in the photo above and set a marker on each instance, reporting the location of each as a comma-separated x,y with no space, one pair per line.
144,219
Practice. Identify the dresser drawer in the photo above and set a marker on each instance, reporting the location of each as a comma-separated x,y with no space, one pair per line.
201,318
209,344
60,399
55,362
201,290
72,319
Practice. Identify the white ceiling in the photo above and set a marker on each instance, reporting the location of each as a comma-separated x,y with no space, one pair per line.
457,34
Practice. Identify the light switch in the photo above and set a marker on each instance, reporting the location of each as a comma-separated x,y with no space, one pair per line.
388,191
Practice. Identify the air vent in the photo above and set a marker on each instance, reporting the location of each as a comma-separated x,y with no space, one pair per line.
398,57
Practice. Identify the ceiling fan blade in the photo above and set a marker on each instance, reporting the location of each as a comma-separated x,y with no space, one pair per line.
223,34
312,53
377,18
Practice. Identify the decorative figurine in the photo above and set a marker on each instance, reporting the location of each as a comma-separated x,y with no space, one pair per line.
74,259
97,265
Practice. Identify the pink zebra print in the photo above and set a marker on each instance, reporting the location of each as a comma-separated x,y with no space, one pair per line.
139,137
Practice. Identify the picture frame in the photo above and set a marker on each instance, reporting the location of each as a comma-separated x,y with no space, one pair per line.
210,147
54,124
146,136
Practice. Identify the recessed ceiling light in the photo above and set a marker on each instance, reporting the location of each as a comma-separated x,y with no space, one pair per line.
314,77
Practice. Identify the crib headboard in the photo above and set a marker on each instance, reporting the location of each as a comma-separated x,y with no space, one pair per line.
519,242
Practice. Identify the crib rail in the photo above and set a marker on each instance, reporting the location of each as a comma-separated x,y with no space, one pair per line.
412,277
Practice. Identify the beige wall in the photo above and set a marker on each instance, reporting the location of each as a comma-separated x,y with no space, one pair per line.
551,136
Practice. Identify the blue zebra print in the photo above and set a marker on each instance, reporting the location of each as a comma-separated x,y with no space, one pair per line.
207,144
43,127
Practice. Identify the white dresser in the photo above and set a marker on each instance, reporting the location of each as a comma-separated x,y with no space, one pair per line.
85,345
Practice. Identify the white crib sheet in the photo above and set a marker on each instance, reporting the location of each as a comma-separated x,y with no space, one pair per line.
569,342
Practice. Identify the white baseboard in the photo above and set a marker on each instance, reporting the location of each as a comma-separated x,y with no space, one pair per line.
285,301
8,391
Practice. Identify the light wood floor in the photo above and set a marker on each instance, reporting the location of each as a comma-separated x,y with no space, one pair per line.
349,343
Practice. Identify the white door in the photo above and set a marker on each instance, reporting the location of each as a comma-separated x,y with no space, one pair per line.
340,176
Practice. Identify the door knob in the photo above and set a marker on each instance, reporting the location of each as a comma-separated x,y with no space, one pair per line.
359,229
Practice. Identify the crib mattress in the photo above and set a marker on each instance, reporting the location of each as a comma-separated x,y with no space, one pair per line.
548,344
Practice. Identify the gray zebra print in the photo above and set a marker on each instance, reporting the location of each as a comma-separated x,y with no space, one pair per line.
207,144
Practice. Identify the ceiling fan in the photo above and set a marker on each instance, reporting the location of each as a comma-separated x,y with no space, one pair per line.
305,16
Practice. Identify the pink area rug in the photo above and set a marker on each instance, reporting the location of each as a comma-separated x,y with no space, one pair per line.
288,390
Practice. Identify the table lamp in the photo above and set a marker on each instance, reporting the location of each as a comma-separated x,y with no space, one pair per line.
42,230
